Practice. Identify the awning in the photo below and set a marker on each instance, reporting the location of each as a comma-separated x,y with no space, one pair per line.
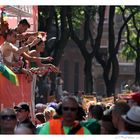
14,11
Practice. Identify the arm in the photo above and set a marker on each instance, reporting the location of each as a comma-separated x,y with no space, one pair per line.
24,49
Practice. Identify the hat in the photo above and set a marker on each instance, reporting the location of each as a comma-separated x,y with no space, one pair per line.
53,105
22,105
133,116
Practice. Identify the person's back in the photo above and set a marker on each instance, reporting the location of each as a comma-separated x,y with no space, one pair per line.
95,112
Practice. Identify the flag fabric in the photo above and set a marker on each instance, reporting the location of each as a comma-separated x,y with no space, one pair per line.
11,76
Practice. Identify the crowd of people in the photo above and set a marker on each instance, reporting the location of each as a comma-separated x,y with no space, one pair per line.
20,51
70,117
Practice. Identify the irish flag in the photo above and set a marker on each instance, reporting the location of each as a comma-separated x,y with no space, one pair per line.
11,76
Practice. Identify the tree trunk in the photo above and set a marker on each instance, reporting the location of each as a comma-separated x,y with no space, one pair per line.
88,76
110,75
137,70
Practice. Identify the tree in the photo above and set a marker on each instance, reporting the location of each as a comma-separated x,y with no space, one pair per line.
53,20
88,14
132,44
110,65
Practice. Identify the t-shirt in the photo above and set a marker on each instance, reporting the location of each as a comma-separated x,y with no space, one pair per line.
92,125
46,129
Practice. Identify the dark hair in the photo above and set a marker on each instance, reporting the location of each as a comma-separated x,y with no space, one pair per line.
40,116
108,125
97,112
121,108
81,113
24,22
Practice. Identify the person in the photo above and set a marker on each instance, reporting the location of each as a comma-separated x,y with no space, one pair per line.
132,120
3,28
39,118
23,38
107,126
8,51
39,107
24,129
22,35
134,99
39,121
66,124
39,48
59,86
23,115
49,112
92,123
8,121
120,108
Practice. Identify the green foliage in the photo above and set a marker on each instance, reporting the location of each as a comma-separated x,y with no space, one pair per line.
78,14
128,53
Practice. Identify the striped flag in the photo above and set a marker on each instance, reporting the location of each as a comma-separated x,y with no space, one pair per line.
11,76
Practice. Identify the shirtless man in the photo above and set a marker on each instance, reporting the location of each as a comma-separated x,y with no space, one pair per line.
9,51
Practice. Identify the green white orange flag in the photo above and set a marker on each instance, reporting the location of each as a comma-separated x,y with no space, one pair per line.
11,76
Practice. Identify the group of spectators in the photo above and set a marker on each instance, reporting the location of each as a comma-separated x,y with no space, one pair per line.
20,51
69,117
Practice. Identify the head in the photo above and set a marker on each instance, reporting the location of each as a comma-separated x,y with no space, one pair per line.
132,119
10,35
22,111
39,118
23,26
49,112
107,125
69,109
40,107
40,46
97,112
8,121
120,108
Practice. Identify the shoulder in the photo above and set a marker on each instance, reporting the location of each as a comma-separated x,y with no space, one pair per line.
86,131
44,129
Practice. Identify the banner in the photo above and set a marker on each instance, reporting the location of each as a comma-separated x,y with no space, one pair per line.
11,95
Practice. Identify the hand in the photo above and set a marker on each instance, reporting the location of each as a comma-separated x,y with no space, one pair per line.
41,33
52,68
49,59
35,41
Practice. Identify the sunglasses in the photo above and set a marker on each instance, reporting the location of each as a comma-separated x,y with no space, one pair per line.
72,109
20,110
8,117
